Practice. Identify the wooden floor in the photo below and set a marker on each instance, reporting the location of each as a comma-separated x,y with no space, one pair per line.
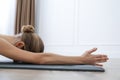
112,73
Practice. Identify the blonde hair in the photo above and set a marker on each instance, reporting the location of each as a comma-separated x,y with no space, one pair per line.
31,40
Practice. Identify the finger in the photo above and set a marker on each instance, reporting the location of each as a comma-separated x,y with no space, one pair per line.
100,60
91,51
98,64
100,56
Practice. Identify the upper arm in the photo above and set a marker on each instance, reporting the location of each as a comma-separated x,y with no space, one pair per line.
4,45
10,51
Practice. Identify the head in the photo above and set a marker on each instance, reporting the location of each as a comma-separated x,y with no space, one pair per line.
29,40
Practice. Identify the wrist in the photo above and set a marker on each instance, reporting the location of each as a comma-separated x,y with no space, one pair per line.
80,60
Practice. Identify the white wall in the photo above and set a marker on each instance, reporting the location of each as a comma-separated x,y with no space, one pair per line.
70,27
7,16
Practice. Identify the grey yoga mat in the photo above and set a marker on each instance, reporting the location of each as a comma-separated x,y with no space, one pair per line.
11,65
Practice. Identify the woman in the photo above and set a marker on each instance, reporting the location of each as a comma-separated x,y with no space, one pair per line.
22,47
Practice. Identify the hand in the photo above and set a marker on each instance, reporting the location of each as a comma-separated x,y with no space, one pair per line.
89,58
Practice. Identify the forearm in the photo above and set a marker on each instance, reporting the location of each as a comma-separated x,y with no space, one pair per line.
50,58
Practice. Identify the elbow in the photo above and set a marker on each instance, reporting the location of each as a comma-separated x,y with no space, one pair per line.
42,59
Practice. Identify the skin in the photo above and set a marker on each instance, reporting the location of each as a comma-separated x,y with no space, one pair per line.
10,47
